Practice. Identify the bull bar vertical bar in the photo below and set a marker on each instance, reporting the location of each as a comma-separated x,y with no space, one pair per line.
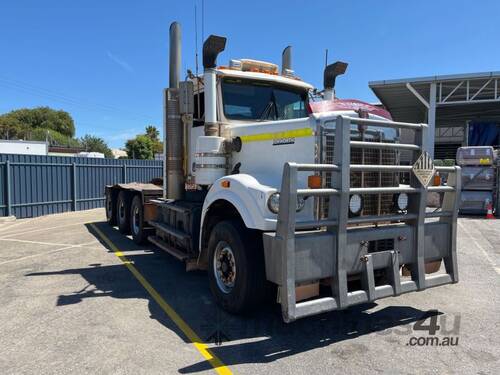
340,204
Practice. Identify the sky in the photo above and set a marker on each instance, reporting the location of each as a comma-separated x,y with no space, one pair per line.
106,62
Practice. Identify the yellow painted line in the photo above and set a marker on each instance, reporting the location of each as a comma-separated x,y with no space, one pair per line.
296,133
216,363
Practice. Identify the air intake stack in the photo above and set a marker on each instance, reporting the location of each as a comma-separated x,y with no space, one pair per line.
211,49
330,74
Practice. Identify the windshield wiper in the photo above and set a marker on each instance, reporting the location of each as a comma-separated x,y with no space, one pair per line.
269,107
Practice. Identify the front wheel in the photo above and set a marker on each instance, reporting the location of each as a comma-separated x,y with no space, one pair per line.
236,267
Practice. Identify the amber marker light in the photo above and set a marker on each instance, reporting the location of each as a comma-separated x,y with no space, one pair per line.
314,181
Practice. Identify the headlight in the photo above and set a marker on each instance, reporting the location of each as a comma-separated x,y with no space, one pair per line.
355,204
273,203
402,201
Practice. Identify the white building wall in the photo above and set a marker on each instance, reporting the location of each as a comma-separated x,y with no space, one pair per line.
23,147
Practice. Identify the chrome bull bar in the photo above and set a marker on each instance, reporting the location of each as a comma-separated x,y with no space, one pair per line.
333,251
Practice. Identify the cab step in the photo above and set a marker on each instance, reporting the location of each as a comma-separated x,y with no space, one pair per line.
169,230
182,256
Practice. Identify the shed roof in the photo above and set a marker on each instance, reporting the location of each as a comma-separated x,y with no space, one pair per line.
459,97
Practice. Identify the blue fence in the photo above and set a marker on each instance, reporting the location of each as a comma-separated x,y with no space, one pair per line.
32,185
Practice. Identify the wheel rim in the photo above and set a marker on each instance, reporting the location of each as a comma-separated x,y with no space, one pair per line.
136,220
109,206
121,211
224,267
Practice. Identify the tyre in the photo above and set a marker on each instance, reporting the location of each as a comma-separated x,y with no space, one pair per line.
123,213
137,220
110,209
236,267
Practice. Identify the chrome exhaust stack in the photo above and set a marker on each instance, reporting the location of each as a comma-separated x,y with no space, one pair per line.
173,176
286,61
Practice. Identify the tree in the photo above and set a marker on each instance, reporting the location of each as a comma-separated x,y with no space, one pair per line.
54,138
95,144
154,134
141,147
11,128
45,118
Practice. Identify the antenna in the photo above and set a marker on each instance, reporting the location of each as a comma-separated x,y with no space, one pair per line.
196,38
203,20
326,57
196,57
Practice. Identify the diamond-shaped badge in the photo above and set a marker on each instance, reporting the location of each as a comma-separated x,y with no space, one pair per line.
424,168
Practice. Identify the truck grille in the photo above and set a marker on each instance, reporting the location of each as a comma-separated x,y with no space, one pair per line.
373,204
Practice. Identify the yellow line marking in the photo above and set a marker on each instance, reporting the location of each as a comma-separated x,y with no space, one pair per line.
296,133
216,363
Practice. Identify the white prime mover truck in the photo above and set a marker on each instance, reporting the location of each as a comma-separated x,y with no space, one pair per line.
271,190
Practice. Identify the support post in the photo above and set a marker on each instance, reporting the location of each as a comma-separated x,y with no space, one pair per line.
285,231
8,203
431,120
417,205
73,184
124,177
338,208
451,202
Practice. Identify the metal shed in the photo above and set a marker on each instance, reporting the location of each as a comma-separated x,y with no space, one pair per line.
448,103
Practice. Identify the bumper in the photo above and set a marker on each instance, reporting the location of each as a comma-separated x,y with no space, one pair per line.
338,248
316,253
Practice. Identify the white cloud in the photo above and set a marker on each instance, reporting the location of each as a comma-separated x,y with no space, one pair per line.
122,63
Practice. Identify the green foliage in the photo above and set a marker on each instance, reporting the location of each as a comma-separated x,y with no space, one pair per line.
145,146
12,128
141,147
91,143
45,118
53,137
153,133
438,162
46,124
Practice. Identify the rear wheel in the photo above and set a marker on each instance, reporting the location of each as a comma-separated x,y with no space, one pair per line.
123,213
236,267
110,208
137,220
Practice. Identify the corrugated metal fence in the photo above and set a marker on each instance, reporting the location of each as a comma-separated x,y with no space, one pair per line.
32,185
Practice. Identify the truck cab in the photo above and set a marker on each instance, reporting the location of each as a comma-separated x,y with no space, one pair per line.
278,189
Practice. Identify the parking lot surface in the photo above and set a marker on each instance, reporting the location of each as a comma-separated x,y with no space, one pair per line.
69,304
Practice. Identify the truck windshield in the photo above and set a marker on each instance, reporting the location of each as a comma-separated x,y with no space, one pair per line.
261,100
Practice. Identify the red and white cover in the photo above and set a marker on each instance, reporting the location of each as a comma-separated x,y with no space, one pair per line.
348,105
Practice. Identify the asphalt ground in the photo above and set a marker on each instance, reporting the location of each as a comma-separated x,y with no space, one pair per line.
78,297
